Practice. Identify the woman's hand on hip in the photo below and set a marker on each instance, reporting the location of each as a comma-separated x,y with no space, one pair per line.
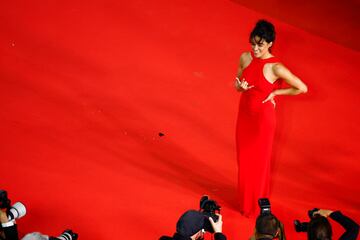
270,98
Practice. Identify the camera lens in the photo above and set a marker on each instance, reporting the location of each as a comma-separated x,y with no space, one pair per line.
68,235
17,211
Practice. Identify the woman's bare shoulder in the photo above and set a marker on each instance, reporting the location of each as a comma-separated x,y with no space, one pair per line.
245,59
279,68
246,56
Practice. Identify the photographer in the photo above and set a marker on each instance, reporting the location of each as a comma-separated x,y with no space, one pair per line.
66,235
319,227
8,214
268,227
193,224
9,229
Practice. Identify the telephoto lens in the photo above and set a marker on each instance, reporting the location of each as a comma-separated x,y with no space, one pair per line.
68,235
16,211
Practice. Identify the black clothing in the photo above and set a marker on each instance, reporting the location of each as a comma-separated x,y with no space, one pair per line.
11,232
217,236
351,227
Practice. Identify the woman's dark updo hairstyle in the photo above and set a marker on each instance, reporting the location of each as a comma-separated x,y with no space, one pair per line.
263,29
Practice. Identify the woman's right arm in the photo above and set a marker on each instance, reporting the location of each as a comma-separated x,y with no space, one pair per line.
240,84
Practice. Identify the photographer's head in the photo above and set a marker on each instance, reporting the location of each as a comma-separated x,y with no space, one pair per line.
319,228
4,200
191,225
35,236
267,226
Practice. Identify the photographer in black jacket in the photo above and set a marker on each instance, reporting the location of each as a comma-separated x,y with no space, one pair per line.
192,224
319,227
9,229
8,214
8,226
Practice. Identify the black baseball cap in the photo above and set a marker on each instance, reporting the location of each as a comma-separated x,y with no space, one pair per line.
190,223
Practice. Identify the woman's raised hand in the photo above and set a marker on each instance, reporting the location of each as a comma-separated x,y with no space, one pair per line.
242,85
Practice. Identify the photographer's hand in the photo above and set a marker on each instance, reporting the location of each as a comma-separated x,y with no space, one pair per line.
324,212
217,226
3,216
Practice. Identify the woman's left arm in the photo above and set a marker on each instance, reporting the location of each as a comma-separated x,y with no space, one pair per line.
296,85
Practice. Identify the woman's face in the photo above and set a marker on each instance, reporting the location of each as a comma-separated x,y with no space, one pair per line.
260,47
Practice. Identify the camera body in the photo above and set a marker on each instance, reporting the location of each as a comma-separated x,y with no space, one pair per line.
209,208
303,226
265,207
311,213
68,234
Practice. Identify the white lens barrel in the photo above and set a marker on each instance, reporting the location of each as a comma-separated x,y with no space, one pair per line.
65,236
18,210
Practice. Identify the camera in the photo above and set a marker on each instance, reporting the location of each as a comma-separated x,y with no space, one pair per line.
209,208
311,212
303,226
267,223
68,235
16,211
265,207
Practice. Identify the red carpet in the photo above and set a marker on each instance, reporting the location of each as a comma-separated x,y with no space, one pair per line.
87,86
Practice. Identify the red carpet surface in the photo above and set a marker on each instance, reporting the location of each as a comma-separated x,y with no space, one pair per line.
88,86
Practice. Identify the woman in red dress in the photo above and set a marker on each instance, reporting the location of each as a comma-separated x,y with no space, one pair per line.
259,77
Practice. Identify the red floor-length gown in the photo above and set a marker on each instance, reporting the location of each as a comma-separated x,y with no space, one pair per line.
254,136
